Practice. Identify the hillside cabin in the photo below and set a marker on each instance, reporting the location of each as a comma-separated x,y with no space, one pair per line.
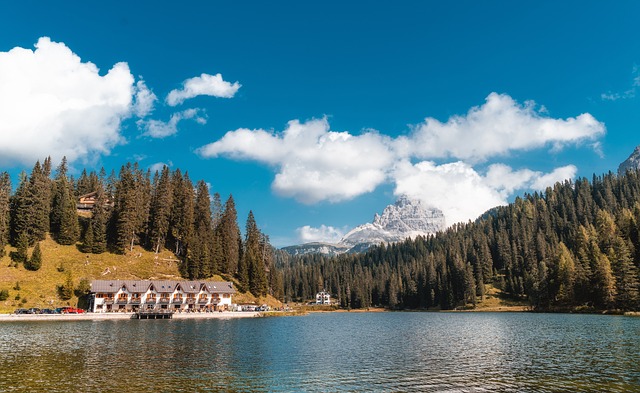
136,295
86,202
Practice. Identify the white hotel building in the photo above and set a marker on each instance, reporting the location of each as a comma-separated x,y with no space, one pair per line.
135,295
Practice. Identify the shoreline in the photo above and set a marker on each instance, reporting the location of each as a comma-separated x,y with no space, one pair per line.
121,316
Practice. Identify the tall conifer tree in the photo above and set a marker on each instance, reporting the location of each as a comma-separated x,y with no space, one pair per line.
230,238
5,193
160,211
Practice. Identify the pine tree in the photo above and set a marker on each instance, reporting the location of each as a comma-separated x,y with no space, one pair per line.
566,274
87,238
181,226
230,238
22,245
143,203
59,184
125,211
99,221
160,211
38,195
5,193
35,262
65,291
603,282
69,230
202,225
625,273
21,220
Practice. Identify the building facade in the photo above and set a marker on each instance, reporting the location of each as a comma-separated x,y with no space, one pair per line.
323,298
135,295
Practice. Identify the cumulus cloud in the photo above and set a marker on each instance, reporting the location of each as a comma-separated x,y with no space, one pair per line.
53,103
205,84
312,163
541,182
322,234
161,129
144,99
496,128
462,193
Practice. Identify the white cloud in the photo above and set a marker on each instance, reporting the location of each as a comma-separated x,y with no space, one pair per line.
462,193
455,188
496,128
159,166
205,84
313,163
144,99
53,103
558,175
322,234
161,129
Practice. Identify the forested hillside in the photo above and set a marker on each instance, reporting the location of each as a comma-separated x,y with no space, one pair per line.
154,210
574,247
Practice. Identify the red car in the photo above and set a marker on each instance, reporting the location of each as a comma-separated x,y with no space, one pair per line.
71,310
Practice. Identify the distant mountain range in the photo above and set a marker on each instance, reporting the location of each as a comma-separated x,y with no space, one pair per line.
405,218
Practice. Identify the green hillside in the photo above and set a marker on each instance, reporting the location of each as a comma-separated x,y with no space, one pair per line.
40,288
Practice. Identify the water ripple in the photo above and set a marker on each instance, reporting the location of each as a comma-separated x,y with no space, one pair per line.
360,352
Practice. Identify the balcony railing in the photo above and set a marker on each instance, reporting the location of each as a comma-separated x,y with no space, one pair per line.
135,300
164,300
123,300
203,300
191,300
108,300
177,300
151,300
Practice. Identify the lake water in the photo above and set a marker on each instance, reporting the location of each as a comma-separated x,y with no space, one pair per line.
333,352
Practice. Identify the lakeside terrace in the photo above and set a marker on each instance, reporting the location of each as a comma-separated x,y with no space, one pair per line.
172,295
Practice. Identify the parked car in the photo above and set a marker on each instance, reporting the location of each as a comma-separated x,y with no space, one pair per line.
48,311
34,310
21,311
71,310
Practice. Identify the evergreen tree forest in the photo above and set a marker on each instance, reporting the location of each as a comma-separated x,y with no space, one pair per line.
161,210
575,246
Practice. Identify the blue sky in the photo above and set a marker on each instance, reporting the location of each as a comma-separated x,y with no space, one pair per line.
323,112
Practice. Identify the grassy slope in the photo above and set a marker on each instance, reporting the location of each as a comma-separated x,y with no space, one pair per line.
495,301
40,287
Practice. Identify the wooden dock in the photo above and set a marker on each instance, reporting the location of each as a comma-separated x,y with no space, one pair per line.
153,314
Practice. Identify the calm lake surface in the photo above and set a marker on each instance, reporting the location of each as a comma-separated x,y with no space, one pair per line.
332,352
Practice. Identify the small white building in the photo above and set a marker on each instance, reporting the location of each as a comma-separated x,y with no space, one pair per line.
323,298
135,295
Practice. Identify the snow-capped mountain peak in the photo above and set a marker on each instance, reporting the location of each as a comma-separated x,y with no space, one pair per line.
405,218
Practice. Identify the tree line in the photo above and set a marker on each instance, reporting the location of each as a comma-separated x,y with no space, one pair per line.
135,207
576,246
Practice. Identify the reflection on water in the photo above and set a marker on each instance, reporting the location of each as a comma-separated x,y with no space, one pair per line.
381,352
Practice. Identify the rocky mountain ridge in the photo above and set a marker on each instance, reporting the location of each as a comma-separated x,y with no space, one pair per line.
405,218
631,163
